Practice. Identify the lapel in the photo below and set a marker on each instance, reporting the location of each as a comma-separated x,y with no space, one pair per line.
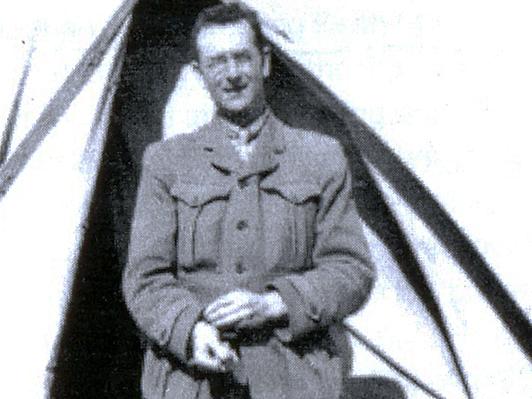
221,154
216,148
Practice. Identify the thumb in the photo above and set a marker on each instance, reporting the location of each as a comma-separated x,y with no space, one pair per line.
224,352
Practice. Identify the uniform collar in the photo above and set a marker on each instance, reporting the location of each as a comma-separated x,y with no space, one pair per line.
218,150
247,133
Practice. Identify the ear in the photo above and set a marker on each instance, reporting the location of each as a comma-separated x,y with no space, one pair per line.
195,66
266,61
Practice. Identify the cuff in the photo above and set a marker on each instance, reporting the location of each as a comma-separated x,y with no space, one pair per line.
179,344
303,317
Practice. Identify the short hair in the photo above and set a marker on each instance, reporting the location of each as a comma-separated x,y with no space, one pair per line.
223,14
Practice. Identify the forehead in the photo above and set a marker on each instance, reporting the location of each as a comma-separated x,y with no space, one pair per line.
231,37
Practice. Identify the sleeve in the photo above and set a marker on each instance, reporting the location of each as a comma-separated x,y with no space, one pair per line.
163,310
342,276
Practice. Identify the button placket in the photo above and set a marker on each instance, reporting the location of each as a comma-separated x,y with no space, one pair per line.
243,216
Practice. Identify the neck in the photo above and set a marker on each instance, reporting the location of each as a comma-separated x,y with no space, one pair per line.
243,118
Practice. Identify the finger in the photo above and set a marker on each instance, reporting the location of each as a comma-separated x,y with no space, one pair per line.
232,307
230,311
217,357
230,361
238,296
219,312
208,362
233,318
216,305
224,311
220,302
226,356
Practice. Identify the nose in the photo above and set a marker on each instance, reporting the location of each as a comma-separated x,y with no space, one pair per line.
233,70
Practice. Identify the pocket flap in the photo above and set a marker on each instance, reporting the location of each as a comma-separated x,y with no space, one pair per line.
195,194
295,192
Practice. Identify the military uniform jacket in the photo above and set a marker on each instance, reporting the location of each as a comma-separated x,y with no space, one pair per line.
206,223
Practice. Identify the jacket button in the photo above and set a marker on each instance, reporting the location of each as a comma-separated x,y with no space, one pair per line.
239,268
241,225
243,183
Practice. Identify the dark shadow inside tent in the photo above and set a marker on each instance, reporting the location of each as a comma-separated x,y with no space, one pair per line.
99,354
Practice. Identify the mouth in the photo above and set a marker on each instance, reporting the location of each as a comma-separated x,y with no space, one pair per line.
234,89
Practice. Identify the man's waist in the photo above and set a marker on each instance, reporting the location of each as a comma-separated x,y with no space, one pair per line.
248,336
319,338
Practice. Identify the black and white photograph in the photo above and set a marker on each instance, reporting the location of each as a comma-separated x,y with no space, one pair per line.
265,199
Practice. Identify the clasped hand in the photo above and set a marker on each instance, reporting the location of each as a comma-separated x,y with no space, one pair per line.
244,307
234,309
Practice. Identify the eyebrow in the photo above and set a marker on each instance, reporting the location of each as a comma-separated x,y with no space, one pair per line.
225,54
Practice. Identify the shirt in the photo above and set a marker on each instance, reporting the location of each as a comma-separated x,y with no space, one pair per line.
243,138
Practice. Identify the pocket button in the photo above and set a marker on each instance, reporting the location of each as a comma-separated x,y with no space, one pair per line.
242,225
243,183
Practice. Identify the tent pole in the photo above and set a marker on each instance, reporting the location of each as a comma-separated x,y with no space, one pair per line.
62,99
391,363
9,130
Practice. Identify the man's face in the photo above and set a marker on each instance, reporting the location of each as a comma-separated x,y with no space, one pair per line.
232,66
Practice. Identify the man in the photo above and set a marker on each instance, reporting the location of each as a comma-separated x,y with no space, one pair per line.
246,250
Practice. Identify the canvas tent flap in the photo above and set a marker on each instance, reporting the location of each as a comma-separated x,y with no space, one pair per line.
397,322
471,320
43,213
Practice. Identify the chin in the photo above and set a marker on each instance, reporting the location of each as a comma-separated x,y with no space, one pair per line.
233,108
238,108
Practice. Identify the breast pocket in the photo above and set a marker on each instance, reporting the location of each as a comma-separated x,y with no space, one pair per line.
200,211
298,203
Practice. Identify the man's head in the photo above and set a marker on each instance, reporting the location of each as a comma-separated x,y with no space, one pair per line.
231,56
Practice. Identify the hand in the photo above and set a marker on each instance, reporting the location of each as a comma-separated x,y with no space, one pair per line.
209,352
242,306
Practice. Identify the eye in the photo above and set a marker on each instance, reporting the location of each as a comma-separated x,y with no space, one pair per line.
217,62
242,56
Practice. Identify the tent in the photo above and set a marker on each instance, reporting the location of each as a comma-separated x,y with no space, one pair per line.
417,97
